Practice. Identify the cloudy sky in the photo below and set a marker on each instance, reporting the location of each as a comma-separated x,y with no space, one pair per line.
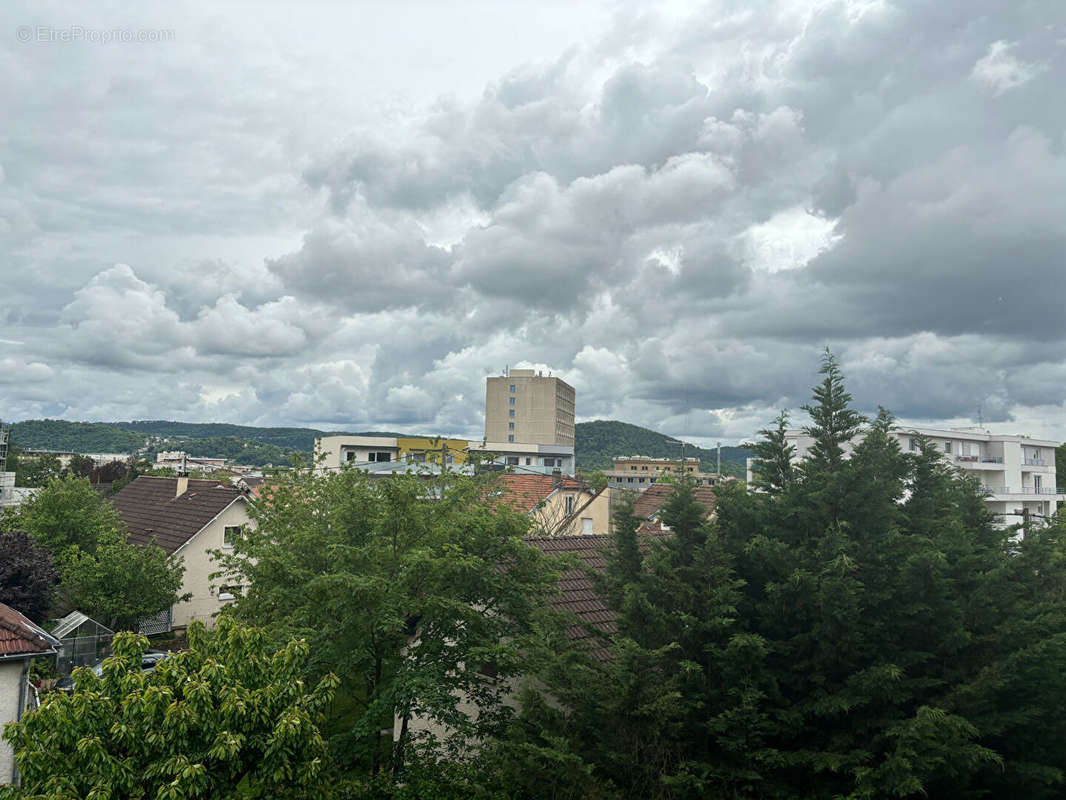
346,215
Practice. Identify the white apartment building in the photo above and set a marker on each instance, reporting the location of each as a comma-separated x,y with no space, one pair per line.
1018,472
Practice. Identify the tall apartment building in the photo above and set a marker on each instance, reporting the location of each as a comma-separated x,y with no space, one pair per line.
527,407
1017,472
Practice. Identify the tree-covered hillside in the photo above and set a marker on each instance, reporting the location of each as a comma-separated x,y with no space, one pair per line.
76,437
598,442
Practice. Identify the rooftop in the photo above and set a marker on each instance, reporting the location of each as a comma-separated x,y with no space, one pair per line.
524,491
577,591
151,509
19,637
650,502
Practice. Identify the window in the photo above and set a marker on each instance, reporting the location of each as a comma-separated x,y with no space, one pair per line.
569,504
586,526
511,400
349,456
529,461
510,412
947,447
633,468
914,444
229,533
510,437
510,426
644,468
630,480
512,461
229,592
379,456
652,480
512,388
640,480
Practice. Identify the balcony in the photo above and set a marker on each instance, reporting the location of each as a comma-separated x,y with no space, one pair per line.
1034,462
1025,490
991,459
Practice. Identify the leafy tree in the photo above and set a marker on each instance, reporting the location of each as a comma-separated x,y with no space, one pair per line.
226,718
27,575
67,512
36,472
119,583
1060,463
81,466
416,593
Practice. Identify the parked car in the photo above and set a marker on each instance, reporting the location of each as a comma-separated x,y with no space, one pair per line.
148,663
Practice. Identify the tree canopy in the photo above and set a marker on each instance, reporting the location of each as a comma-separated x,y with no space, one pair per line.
862,630
229,717
418,594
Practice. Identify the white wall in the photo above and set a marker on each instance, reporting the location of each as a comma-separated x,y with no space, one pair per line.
10,678
199,565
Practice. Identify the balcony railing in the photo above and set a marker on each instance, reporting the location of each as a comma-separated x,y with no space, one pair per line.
1023,490
991,459
966,458
1034,462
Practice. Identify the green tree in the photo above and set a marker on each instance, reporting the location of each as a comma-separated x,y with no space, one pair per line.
226,718
1060,464
81,466
27,575
773,470
416,592
119,583
68,512
868,633
36,472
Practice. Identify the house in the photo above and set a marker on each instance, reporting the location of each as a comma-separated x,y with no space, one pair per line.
648,505
21,641
187,518
1017,472
558,504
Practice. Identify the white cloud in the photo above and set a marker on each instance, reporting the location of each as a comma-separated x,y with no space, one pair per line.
1000,71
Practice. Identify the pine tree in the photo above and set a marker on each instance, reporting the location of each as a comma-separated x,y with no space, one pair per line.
773,471
833,422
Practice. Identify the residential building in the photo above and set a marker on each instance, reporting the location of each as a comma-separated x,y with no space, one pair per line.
180,460
523,406
370,452
187,518
524,458
638,473
1017,472
648,505
21,641
558,504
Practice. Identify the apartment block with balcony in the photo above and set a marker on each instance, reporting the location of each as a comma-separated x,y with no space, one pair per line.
1017,472
638,473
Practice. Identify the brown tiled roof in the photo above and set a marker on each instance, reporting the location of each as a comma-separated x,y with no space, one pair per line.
651,500
524,492
577,593
151,510
20,637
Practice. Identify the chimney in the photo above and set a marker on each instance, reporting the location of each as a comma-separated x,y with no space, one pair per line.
557,477
183,485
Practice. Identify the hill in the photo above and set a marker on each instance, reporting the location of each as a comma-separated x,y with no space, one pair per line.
599,441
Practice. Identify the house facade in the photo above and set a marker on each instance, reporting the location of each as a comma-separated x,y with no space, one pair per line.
558,504
188,519
21,641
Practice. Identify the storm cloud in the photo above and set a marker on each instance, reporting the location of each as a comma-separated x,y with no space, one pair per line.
328,216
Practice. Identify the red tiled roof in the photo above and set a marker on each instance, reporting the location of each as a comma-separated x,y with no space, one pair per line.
649,502
150,508
577,589
20,637
524,492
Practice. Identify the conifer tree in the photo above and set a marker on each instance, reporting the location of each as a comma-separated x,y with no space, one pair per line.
773,457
